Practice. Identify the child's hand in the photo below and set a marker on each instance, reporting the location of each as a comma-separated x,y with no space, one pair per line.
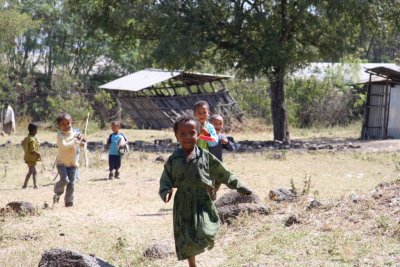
224,139
168,196
204,131
245,191
79,136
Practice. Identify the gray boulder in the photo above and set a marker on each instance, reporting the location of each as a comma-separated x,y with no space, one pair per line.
234,198
282,194
313,203
22,207
70,258
229,212
233,204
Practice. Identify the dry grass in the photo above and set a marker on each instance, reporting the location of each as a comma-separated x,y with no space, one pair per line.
253,129
116,220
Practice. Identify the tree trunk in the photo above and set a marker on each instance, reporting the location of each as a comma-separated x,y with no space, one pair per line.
279,115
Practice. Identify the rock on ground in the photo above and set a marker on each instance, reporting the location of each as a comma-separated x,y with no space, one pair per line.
233,204
22,207
313,203
282,194
229,212
234,198
161,159
292,219
157,251
70,258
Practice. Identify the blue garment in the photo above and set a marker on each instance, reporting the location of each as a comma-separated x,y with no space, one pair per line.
113,143
213,134
68,176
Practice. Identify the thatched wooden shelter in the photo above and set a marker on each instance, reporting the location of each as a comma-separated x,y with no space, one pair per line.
155,98
382,108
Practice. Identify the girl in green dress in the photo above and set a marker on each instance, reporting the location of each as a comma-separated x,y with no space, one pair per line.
189,169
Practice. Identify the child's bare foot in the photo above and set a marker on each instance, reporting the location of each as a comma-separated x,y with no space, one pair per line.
56,198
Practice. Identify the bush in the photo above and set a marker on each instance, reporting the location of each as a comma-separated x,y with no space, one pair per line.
104,104
252,97
74,104
326,102
309,102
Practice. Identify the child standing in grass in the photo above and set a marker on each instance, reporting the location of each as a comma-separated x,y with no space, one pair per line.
32,155
189,169
68,142
116,141
201,111
218,122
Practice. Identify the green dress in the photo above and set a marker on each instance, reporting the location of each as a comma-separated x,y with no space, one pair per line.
195,216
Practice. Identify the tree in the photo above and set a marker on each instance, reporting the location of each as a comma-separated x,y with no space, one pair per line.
256,38
12,24
379,38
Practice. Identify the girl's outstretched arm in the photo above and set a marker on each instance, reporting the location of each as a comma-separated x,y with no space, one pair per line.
222,175
165,190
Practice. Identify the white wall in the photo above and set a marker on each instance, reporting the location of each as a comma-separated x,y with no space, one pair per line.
394,113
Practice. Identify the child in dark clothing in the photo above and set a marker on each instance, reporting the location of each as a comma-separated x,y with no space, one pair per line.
116,141
218,122
223,142
32,155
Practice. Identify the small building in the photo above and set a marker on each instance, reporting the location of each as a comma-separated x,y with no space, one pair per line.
154,98
382,108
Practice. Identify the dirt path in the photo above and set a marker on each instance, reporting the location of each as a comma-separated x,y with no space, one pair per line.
380,145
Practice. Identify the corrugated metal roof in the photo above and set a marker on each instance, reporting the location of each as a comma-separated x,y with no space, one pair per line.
146,78
140,80
352,72
375,79
389,73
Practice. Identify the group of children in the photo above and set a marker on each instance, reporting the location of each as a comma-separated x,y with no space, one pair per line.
195,169
69,142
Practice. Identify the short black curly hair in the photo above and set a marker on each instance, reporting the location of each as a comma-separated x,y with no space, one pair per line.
186,118
63,116
201,103
32,127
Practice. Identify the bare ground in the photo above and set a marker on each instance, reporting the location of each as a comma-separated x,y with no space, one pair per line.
357,224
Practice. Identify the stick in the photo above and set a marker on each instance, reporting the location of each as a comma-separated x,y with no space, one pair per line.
55,177
52,170
85,151
1,119
87,123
